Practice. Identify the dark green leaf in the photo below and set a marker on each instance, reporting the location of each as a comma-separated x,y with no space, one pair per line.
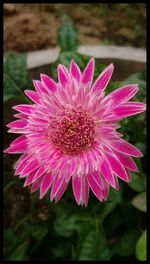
126,243
20,252
94,247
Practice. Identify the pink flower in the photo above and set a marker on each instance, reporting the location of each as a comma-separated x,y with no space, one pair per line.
69,133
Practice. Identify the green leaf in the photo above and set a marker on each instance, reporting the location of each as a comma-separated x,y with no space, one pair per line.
94,247
141,251
126,243
138,182
139,201
103,209
10,88
39,232
67,221
68,37
16,76
20,252
140,79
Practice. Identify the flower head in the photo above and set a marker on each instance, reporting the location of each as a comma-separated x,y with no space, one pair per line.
69,134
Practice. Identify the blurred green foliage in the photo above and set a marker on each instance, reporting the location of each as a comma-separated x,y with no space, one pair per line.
68,37
16,76
112,230
141,247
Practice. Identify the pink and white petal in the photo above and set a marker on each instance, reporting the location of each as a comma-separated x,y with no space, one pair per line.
56,187
94,187
122,94
24,108
40,172
61,190
128,109
23,158
18,140
46,184
29,179
85,191
34,96
129,176
39,87
75,71
98,179
19,115
31,166
124,147
107,172
17,124
116,166
20,147
103,79
36,185
127,162
63,75
87,76
105,192
48,82
77,188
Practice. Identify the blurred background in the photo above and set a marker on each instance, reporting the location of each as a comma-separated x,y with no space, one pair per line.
34,26
37,229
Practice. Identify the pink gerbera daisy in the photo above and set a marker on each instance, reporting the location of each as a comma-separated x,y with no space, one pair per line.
69,133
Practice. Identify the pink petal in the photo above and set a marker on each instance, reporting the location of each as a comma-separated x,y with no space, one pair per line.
127,162
105,193
61,190
97,178
23,116
18,131
77,188
94,187
23,108
46,184
17,124
36,185
123,94
33,96
85,191
17,148
56,187
39,172
18,140
39,87
20,162
48,82
129,176
87,76
125,148
129,109
33,165
75,71
29,179
106,172
63,75
103,79
117,166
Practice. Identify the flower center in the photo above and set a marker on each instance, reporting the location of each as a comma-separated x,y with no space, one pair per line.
72,130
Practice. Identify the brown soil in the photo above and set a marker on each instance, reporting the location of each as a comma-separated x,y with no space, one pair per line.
34,26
